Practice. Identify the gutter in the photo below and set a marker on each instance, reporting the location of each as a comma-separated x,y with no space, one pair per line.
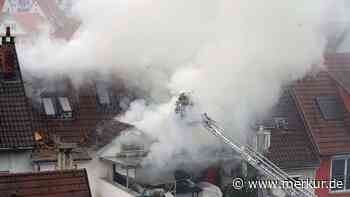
17,148
55,160
306,124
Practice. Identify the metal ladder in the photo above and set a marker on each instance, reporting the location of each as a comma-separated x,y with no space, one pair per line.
256,159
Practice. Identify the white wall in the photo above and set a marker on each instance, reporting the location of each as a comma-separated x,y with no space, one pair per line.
49,166
15,161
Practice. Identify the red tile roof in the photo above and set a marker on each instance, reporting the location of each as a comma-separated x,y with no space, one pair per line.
51,10
2,3
331,136
30,21
106,132
64,26
46,184
291,147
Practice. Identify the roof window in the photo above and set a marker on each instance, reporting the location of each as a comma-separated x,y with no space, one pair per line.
331,107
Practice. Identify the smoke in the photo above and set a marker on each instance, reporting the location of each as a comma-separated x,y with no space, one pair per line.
233,56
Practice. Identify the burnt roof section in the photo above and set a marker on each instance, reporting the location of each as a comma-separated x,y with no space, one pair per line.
15,115
291,146
106,132
46,184
88,113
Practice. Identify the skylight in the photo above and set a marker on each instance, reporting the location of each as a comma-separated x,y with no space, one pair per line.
331,107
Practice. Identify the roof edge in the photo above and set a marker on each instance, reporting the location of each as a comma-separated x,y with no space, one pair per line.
307,126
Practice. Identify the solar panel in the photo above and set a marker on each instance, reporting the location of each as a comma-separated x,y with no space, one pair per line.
49,107
331,107
102,93
64,103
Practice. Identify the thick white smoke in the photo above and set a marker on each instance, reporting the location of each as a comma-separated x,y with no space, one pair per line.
233,55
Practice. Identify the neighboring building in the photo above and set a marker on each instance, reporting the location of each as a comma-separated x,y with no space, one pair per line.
324,103
46,184
122,160
16,132
291,147
15,6
28,17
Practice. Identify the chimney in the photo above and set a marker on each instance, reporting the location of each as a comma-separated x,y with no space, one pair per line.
65,159
8,38
263,140
8,60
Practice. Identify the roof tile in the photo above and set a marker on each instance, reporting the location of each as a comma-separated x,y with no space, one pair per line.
46,184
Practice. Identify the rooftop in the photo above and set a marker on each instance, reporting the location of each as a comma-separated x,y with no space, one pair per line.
291,144
46,184
326,120
15,115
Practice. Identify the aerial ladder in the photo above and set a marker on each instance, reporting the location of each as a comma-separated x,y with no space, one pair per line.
256,159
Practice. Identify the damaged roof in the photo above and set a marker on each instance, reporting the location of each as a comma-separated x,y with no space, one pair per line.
87,119
46,184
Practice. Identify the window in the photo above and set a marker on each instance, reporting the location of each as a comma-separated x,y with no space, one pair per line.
65,108
49,107
331,107
106,98
341,172
263,140
57,107
102,94
281,123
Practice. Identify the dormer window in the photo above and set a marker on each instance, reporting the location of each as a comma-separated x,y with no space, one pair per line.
65,107
49,107
57,107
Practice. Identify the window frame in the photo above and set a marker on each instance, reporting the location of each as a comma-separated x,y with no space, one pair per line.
346,158
280,122
319,100
60,113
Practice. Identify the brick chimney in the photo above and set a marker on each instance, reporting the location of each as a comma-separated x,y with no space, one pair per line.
8,56
65,158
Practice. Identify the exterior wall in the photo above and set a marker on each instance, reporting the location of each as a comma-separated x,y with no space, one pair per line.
323,173
15,161
303,173
101,180
109,189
